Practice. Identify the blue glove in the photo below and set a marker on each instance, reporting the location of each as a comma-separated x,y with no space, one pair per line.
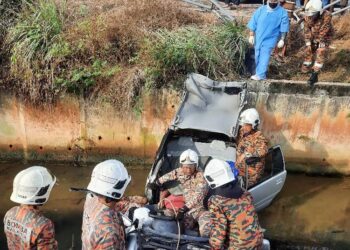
233,168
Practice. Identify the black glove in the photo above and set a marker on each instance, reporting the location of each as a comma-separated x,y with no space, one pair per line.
154,185
181,213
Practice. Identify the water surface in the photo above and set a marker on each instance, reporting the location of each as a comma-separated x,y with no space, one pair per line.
311,211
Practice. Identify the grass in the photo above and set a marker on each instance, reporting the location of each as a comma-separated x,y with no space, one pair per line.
36,36
44,62
8,12
33,42
217,52
55,47
77,80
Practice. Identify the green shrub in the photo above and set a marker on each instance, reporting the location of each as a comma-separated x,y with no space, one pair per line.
80,79
217,51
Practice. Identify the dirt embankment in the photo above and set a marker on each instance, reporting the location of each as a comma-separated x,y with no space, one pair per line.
112,49
90,47
337,66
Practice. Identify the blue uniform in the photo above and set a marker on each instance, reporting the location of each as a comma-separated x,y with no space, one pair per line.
268,25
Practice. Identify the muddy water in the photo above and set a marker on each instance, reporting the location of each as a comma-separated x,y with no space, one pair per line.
311,211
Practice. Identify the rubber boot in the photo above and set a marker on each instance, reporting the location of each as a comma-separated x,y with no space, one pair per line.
313,79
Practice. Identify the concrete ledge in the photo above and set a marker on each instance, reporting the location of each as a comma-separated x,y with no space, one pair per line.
300,87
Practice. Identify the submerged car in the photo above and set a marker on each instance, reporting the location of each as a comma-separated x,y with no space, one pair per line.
206,122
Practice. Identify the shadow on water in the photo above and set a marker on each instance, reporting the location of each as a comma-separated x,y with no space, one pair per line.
310,211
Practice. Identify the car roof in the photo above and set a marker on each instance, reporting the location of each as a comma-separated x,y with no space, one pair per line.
210,106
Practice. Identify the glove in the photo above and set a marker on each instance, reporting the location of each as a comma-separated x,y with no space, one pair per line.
181,213
251,40
280,44
153,185
321,45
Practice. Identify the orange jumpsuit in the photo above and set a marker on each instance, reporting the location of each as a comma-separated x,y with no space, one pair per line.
27,228
102,227
254,145
316,32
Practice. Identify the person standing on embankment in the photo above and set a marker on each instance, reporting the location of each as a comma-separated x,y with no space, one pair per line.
318,32
268,24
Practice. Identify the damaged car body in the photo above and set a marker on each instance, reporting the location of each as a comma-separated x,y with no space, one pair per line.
207,122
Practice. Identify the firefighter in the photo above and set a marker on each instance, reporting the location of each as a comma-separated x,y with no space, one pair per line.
318,32
234,221
103,226
194,189
251,148
25,225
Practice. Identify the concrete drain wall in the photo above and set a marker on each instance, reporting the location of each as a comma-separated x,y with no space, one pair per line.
312,125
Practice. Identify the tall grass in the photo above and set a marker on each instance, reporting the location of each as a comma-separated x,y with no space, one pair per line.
217,51
36,33
34,42
52,49
8,13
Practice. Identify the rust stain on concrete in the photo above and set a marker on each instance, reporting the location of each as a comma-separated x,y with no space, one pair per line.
310,128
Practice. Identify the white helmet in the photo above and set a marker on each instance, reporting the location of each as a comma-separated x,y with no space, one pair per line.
189,157
109,178
250,116
312,7
32,186
218,173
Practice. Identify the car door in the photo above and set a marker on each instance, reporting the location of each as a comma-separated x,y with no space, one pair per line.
273,179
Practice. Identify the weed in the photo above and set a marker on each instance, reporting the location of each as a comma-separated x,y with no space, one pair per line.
54,48
36,32
81,79
8,11
217,51
138,106
33,43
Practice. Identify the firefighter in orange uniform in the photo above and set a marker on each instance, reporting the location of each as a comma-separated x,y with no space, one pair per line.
103,226
25,226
